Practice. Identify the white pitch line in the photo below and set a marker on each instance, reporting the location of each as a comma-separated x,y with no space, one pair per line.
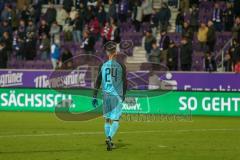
162,146
127,132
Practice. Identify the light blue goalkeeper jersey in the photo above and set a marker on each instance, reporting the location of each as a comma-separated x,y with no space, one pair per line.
112,82
112,77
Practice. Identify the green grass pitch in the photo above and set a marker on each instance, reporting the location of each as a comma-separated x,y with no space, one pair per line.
41,136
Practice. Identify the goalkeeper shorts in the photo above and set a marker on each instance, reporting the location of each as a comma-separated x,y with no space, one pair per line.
112,106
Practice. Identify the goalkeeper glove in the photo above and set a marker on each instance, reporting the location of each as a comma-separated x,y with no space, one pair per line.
95,102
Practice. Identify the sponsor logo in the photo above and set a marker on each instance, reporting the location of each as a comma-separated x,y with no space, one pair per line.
169,83
75,78
132,104
136,104
11,79
33,100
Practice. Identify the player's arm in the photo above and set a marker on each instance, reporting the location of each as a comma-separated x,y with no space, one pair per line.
98,81
124,79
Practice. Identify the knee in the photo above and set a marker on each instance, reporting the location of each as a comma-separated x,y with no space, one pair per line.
108,120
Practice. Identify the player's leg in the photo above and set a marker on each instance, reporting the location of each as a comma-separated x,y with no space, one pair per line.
115,115
107,126
107,116
113,129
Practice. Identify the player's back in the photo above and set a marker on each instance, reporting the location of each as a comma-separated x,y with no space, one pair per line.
112,77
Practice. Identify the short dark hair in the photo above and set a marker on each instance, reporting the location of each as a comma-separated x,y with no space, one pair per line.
110,47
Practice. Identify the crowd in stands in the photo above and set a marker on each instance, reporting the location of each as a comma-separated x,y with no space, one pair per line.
221,20
27,30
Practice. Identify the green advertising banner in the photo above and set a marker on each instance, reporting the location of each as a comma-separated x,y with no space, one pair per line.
138,102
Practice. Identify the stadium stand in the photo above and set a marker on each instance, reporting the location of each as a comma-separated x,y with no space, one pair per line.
27,24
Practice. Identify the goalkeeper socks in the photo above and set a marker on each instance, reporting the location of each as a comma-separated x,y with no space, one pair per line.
107,127
113,129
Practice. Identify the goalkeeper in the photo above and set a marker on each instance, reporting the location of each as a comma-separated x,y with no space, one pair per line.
112,77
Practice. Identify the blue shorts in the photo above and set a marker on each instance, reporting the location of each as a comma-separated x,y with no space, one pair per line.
112,106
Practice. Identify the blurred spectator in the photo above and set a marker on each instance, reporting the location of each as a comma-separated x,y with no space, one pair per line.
154,57
55,53
66,60
7,40
228,64
115,33
235,51
67,29
3,56
163,46
202,36
123,10
13,19
82,10
137,15
210,63
236,8
194,18
237,66
31,41
164,16
2,4
6,14
112,13
211,37
25,13
44,47
67,5
148,41
217,17
172,57
147,10
179,21
51,14
31,28
22,37
61,17
73,13
184,5
55,31
106,33
155,22
173,3
37,5
187,31
88,14
30,46
94,27
88,43
77,3
236,29
78,25
186,51
31,11
228,17
5,27
43,28
194,3
101,15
